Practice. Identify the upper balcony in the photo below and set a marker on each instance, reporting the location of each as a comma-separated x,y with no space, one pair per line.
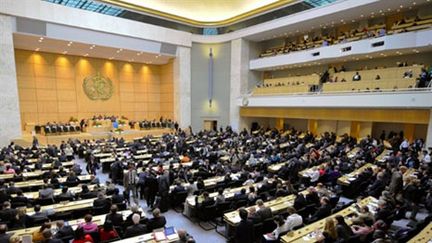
397,42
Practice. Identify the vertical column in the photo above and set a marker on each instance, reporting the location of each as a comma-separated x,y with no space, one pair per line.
10,120
279,123
429,131
355,129
239,79
182,87
313,126
409,130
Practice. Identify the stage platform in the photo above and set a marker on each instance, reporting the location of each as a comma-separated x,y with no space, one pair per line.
128,135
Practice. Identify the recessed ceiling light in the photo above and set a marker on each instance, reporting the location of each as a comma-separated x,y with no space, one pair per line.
37,49
86,55
361,16
70,43
111,58
414,3
65,52
401,6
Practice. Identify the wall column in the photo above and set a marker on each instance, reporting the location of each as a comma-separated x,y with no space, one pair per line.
182,87
429,131
239,79
409,130
279,123
313,126
10,119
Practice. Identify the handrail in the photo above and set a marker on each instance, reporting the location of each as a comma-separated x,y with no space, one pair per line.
362,92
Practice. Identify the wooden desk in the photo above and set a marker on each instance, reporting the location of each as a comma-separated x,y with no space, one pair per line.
228,192
381,158
424,236
65,207
276,167
149,237
304,234
34,183
346,180
74,190
277,205
98,219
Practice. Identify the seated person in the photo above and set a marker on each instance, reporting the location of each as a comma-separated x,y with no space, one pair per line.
88,225
157,221
281,228
240,195
178,188
207,201
86,193
63,230
3,236
7,214
263,211
38,215
136,228
323,211
245,230
117,198
107,232
81,237
101,201
65,194
37,236
115,218
294,219
135,210
356,77
46,192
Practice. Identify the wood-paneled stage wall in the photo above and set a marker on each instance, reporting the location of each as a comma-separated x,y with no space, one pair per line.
51,88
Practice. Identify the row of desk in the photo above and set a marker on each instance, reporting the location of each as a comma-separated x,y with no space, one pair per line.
311,232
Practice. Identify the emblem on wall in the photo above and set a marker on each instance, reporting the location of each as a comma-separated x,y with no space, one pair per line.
98,87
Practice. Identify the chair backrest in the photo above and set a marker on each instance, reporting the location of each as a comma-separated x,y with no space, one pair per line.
95,235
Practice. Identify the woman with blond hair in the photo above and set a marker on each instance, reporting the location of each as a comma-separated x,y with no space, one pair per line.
330,232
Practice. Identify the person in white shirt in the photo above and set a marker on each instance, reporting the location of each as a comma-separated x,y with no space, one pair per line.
314,175
404,145
293,220
426,157
281,228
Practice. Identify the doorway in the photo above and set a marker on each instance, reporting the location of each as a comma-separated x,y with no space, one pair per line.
210,125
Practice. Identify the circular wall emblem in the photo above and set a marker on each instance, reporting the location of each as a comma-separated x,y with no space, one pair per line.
98,87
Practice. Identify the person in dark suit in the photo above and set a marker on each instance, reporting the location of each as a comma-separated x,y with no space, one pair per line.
8,214
299,201
114,217
245,230
323,211
4,238
38,215
117,198
312,196
47,234
20,198
101,201
207,201
263,211
136,228
378,186
157,221
178,188
240,195
135,210
63,230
